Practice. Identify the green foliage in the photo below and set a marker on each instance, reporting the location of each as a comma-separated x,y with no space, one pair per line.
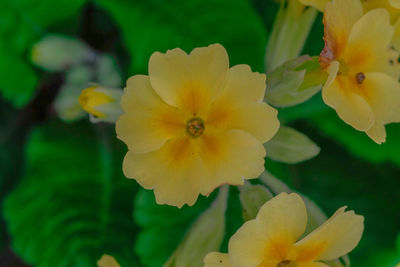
73,204
158,25
22,22
357,142
163,227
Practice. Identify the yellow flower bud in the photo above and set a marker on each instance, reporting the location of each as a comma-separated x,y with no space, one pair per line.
107,261
102,104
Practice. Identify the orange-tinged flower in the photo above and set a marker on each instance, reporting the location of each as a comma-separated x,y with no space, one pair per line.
194,124
362,86
270,240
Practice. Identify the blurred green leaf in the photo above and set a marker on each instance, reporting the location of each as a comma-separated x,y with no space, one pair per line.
21,24
290,146
73,204
158,25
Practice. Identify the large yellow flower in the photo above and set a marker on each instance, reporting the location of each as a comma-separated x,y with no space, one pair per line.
362,86
194,124
270,240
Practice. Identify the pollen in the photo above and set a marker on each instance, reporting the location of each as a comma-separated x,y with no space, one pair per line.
195,127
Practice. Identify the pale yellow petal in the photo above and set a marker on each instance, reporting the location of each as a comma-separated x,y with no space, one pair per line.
175,172
268,238
107,261
368,47
336,237
339,18
244,85
351,107
332,70
230,157
395,3
396,35
216,259
240,105
248,246
189,81
148,122
383,95
377,132
318,4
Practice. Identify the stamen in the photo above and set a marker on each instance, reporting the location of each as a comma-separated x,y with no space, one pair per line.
360,77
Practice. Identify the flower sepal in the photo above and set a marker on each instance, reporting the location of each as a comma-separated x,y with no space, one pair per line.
295,82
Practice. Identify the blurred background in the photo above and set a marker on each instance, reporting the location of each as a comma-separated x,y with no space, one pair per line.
64,199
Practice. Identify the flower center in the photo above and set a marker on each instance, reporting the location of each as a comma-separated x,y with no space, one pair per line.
360,77
287,263
195,127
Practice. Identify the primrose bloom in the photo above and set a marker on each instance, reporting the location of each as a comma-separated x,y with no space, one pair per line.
102,104
363,83
107,261
270,240
194,124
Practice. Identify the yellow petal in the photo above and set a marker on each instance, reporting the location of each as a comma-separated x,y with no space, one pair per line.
349,105
148,122
383,95
230,157
336,237
189,81
377,132
318,4
216,259
368,46
339,18
107,261
240,105
174,171
268,239
244,85
332,70
90,99
395,3
396,36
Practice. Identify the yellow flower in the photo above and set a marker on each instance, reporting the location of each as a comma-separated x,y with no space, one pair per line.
362,86
102,104
194,124
270,240
107,261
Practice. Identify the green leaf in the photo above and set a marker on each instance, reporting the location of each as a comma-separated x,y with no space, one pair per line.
156,25
163,227
21,24
357,142
252,197
73,204
204,236
290,146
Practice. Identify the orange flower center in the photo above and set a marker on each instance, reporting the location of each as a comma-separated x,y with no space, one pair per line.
195,127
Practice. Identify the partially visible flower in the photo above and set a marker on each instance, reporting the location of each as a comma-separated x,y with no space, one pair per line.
56,53
107,261
363,84
270,240
194,124
103,104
